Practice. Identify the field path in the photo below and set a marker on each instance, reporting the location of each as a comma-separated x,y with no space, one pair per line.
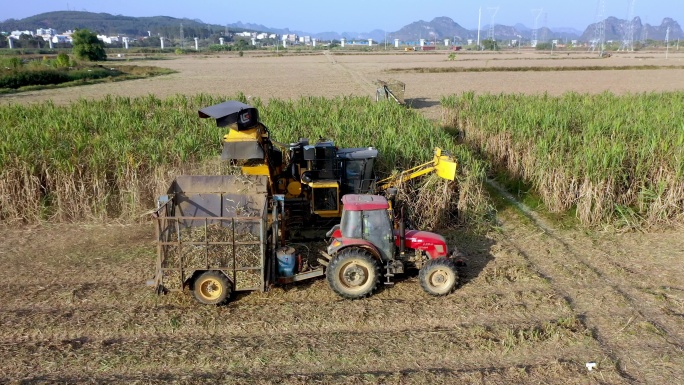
625,307
358,77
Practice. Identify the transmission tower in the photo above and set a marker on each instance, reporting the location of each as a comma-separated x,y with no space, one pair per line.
545,27
644,31
628,38
491,23
667,42
535,31
182,36
599,27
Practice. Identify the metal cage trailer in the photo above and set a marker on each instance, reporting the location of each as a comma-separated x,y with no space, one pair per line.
215,236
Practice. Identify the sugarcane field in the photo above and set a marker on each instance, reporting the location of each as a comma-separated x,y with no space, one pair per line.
347,217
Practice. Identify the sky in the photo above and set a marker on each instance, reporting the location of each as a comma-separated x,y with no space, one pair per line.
361,15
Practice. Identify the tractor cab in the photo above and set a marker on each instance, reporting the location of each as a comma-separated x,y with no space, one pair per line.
366,223
365,245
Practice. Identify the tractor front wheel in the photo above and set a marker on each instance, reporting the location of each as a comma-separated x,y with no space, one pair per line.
438,277
353,273
211,288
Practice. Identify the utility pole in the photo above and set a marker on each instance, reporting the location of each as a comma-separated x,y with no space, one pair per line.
535,31
479,20
667,42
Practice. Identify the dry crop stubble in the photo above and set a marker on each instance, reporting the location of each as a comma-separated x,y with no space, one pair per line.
102,323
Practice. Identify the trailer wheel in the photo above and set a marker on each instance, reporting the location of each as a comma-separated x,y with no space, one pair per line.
211,288
353,273
438,277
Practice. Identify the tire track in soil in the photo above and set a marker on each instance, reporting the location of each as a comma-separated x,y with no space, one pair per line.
457,349
583,283
362,81
527,373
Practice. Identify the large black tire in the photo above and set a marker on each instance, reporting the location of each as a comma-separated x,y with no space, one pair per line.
353,273
212,288
439,276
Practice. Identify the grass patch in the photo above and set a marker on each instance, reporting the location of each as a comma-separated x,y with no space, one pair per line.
604,158
20,80
110,158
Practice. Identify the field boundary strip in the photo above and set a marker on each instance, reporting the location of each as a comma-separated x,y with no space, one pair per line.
433,70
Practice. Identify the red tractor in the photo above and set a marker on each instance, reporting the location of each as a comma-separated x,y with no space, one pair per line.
366,243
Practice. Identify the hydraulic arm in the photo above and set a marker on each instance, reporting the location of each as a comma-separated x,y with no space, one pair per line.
444,165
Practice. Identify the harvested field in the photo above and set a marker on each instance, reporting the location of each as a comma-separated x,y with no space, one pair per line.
329,75
538,302
534,308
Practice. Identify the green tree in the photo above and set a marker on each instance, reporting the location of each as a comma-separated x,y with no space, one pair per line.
241,44
62,60
15,63
543,47
87,46
490,45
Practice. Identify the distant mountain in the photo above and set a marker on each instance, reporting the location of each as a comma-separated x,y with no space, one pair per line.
444,27
522,28
438,28
615,30
240,26
567,30
105,23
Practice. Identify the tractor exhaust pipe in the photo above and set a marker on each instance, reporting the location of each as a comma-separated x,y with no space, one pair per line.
402,233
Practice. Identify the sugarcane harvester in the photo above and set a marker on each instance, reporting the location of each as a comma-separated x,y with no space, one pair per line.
312,177
228,233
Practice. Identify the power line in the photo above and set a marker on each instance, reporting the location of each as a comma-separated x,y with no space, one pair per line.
628,38
491,24
599,28
535,31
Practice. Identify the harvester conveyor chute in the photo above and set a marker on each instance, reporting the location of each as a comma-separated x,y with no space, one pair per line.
442,164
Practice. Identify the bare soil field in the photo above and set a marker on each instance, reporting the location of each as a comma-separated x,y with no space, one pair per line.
538,303
269,76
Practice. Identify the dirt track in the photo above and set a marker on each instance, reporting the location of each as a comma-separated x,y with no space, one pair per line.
538,304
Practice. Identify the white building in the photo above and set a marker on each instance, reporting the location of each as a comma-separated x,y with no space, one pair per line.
46,31
292,38
61,39
109,39
16,34
262,36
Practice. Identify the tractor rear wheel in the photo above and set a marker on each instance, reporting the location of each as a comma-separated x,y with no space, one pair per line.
353,273
211,288
438,277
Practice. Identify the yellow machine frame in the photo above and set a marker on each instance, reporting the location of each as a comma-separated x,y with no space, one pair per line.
444,165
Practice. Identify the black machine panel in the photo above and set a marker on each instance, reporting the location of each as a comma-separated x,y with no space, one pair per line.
227,113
